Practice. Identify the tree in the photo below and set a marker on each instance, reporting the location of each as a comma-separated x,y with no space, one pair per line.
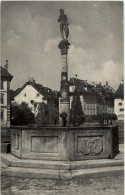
112,117
106,117
21,114
47,114
76,114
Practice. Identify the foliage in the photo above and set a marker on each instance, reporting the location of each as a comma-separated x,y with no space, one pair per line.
76,114
106,118
21,114
48,114
91,118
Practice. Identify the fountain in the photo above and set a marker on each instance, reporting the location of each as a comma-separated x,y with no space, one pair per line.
64,143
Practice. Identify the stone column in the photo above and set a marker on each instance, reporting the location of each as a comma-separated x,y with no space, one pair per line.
64,88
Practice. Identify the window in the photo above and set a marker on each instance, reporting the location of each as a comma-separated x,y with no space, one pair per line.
120,104
72,88
2,98
121,109
1,84
32,101
37,94
2,114
25,94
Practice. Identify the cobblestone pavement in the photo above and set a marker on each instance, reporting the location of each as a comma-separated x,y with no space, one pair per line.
108,185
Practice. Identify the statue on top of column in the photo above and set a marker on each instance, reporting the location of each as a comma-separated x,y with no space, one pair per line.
63,24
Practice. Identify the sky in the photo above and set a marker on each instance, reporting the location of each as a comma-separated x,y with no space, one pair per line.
30,36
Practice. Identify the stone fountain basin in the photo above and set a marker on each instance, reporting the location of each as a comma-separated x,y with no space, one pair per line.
65,143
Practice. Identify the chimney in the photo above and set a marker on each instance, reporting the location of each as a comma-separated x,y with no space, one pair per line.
75,76
122,81
31,80
99,83
6,66
106,82
92,83
85,81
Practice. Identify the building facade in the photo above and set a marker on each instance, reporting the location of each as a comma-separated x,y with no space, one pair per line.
6,78
119,102
95,98
33,94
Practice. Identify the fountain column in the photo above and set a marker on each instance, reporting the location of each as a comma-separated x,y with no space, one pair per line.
64,103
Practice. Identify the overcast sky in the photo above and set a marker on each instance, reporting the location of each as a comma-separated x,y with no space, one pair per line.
30,37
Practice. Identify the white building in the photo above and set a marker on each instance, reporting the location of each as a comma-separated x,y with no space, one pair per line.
33,94
119,102
6,78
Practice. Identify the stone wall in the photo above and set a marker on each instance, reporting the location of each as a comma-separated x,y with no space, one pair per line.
56,143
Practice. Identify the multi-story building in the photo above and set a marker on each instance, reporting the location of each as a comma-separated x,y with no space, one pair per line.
6,78
95,98
33,94
119,102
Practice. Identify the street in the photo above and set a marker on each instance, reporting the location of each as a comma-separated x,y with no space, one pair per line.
108,185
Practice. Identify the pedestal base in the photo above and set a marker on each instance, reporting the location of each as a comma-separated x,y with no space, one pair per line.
64,107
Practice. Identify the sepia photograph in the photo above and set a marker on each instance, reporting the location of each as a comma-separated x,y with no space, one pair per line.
62,97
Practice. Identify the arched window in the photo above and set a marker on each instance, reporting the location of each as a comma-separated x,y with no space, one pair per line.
120,104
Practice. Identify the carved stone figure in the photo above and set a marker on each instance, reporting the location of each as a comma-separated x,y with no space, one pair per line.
63,24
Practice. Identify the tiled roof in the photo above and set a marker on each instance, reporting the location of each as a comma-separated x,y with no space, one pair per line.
108,89
120,91
5,73
104,94
45,91
81,85
84,87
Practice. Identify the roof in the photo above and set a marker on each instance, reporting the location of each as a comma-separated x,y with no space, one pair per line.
120,91
108,89
5,74
45,91
11,94
81,85
104,94
84,87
